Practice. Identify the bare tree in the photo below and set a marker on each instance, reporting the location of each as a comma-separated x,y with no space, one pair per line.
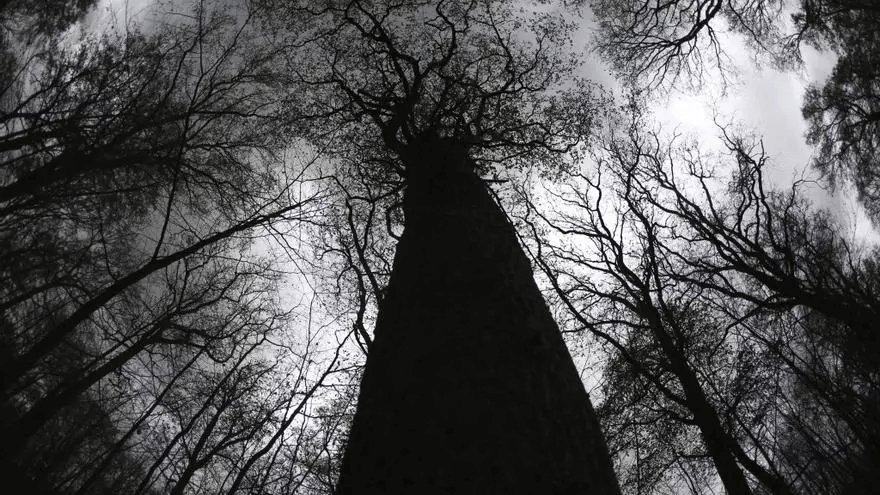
138,175
843,113
660,43
465,357
639,294
727,310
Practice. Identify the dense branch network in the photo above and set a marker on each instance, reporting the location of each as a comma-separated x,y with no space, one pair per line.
705,294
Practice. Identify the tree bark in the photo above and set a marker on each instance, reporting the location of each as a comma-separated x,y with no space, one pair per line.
468,386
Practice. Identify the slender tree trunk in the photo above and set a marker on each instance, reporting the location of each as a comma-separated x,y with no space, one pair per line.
119,444
20,431
469,387
714,436
724,449
16,368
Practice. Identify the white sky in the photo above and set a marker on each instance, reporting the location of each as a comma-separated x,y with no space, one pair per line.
768,103
762,100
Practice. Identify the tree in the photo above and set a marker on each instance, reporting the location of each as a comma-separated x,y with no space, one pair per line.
750,295
657,43
468,385
843,115
138,176
663,329
28,20
798,270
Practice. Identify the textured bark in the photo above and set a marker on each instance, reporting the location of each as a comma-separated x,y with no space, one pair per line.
468,387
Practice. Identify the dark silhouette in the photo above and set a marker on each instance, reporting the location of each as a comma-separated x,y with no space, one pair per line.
469,387
738,323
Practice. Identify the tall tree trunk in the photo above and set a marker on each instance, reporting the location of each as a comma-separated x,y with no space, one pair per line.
468,387
722,448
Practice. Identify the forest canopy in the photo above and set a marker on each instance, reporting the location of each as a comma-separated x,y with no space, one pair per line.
245,243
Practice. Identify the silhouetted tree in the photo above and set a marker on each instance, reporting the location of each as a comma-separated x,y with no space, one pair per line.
843,113
736,311
660,43
468,385
663,328
138,174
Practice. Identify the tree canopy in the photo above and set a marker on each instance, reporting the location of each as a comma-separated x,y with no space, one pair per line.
206,215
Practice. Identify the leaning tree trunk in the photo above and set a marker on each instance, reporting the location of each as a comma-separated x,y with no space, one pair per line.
468,386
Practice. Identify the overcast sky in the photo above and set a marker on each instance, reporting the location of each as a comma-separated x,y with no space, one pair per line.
770,101
763,99
767,102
